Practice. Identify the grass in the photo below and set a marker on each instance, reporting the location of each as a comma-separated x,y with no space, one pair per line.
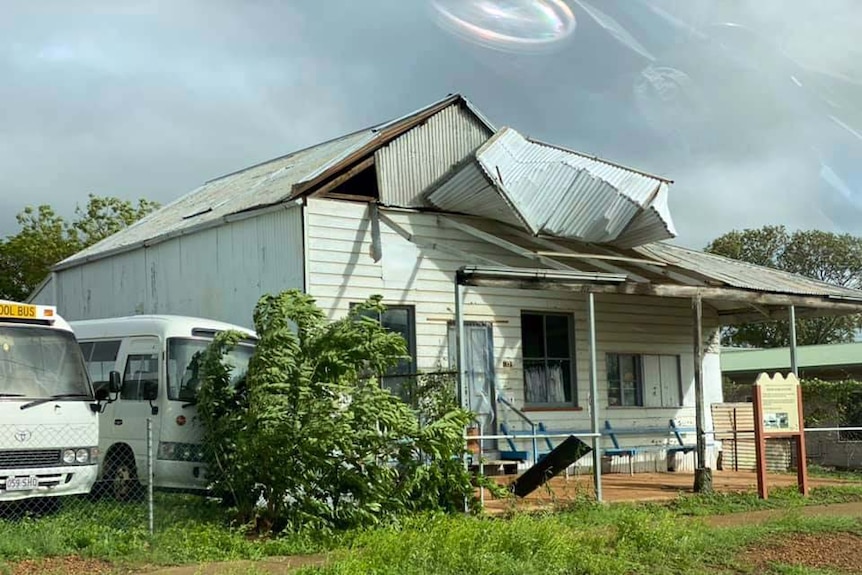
631,540
833,473
188,529
585,537
779,498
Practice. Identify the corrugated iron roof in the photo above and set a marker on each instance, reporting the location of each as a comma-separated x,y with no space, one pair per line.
663,263
265,184
560,193
743,275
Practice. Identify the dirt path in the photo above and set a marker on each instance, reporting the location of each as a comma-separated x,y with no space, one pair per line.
852,509
270,565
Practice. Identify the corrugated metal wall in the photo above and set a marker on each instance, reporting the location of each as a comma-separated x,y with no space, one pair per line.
218,273
417,159
739,452
341,271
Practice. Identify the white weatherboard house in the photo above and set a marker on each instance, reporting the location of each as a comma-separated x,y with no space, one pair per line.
534,236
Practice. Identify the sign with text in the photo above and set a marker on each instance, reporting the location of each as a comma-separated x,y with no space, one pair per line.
780,402
778,414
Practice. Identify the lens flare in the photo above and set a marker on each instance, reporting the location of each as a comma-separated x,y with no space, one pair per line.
508,25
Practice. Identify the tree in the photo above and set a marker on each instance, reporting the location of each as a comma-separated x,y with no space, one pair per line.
824,256
309,438
45,238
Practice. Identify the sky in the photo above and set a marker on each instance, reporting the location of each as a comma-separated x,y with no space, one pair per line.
754,109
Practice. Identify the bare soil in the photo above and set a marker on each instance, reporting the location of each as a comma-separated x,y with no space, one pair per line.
851,509
840,552
58,566
272,565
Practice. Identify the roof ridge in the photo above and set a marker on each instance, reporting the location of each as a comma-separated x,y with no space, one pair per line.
377,127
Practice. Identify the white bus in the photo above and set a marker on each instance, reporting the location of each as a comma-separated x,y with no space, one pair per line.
155,359
49,425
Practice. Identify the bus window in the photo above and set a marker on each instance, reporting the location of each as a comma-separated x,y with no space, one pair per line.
140,370
184,357
40,362
100,358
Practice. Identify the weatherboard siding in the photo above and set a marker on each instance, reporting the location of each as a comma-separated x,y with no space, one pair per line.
217,273
341,271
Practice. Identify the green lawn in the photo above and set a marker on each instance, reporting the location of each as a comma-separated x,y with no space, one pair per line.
582,538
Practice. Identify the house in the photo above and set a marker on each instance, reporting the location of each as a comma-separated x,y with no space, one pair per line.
549,263
832,362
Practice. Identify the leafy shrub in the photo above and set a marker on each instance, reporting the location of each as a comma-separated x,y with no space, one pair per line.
309,438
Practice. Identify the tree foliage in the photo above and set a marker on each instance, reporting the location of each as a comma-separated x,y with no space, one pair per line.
831,403
310,438
824,256
46,238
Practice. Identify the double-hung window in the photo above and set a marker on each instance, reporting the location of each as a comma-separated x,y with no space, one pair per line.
402,320
547,340
643,380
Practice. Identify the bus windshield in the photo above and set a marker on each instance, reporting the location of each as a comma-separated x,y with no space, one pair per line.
40,362
184,365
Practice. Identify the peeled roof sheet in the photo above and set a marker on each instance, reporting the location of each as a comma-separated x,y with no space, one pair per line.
558,192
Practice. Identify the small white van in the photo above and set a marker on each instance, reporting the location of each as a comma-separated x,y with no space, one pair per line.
155,357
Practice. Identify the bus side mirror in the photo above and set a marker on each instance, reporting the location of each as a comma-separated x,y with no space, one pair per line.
115,384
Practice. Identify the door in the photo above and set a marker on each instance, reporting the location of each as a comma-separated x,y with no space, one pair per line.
479,368
139,367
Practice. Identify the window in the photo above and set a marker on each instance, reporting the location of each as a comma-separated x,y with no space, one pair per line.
184,357
100,358
643,380
140,370
547,351
400,319
38,362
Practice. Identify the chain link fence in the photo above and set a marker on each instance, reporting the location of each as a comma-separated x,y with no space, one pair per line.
59,470
58,475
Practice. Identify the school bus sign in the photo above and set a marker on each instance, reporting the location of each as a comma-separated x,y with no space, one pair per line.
778,414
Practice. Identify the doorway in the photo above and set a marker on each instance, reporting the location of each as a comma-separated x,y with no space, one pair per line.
479,371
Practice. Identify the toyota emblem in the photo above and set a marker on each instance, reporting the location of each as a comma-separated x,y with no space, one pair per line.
23,435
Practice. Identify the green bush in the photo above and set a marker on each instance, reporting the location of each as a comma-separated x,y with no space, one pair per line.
309,438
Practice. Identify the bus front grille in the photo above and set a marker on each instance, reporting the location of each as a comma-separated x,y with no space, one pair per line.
21,458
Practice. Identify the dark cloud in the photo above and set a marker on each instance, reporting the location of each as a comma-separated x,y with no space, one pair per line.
745,104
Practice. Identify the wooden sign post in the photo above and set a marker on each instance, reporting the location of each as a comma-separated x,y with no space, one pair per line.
778,414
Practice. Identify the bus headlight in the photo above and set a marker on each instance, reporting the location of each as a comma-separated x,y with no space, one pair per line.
81,455
172,451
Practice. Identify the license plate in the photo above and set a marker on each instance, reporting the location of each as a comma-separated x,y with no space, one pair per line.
22,483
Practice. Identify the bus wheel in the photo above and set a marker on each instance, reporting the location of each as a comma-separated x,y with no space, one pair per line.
122,478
